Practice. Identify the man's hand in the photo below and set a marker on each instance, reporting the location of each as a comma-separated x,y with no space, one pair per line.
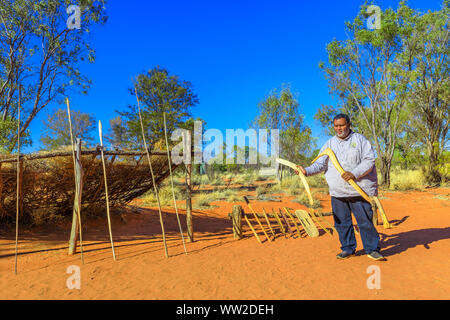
348,176
300,168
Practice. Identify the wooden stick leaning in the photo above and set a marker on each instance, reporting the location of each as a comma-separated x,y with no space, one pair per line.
171,181
268,222
322,219
293,220
100,130
277,218
288,226
318,222
76,184
155,189
251,227
18,181
257,219
328,152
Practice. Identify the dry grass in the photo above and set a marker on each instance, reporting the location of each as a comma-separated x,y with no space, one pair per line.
403,180
165,196
304,200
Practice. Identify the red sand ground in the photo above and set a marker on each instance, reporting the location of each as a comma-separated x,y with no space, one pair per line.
218,267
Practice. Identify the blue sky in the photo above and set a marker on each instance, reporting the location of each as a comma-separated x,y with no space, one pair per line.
233,53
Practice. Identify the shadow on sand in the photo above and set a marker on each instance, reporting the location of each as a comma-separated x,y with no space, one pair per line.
400,242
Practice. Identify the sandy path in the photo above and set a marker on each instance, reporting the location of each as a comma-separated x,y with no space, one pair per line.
218,267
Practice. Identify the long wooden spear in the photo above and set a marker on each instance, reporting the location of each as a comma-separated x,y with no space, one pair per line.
18,179
100,130
75,174
153,176
171,181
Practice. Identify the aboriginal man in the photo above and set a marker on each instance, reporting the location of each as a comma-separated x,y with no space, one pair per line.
356,156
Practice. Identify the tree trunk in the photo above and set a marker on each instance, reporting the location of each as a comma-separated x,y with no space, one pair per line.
432,174
385,172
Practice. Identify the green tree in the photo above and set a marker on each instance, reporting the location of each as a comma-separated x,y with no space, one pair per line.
425,60
158,92
280,110
57,129
117,135
8,137
40,54
362,72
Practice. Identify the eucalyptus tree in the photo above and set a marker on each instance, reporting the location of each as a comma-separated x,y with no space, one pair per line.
280,110
41,51
425,60
158,92
362,72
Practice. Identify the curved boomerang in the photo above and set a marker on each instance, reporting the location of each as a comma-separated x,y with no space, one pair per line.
301,175
328,152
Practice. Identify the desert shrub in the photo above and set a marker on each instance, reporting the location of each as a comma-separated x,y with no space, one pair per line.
317,181
263,189
165,195
403,180
289,181
217,181
234,197
204,199
259,177
304,200
245,178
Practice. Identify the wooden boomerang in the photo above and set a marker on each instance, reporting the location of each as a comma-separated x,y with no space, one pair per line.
301,175
328,152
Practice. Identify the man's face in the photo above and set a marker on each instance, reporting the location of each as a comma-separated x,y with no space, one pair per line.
342,128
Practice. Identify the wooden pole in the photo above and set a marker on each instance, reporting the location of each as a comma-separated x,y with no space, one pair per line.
318,222
76,219
190,226
251,227
106,189
257,219
236,217
19,180
268,222
155,189
283,231
78,178
321,218
293,220
171,181
288,226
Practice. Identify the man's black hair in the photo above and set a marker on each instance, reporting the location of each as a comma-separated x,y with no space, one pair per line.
342,115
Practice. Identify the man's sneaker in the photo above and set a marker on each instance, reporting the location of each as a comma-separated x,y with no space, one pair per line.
375,255
344,255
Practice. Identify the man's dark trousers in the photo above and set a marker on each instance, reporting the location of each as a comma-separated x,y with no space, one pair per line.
362,210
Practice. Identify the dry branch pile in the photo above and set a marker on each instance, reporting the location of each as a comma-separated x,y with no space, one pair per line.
48,184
